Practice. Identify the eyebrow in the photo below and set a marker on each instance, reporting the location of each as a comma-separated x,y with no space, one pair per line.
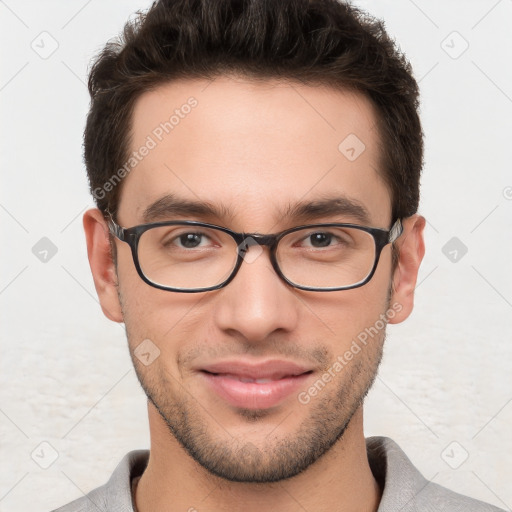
340,206
171,205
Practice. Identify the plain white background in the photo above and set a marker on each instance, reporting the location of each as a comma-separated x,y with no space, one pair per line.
444,392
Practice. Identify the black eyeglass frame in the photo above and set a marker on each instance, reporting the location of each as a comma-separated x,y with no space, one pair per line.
132,235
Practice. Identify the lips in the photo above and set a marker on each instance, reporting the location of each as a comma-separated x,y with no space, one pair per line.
271,370
255,385
247,379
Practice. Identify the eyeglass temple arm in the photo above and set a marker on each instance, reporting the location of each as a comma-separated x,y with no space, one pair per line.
395,231
116,230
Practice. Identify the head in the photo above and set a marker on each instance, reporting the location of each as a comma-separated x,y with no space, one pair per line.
254,109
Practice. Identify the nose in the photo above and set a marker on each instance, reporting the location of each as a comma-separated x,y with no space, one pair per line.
257,301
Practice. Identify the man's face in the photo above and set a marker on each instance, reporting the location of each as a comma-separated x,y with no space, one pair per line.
255,149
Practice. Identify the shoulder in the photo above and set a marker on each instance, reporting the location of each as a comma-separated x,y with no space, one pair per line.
91,502
115,495
404,488
436,497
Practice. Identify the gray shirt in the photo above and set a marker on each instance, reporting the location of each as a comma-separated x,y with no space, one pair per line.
404,487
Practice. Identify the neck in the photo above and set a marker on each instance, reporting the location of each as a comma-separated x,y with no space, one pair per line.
341,480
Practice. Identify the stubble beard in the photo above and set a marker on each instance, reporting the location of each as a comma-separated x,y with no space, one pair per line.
240,460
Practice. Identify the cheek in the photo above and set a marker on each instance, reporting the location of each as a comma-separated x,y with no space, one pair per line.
345,314
165,318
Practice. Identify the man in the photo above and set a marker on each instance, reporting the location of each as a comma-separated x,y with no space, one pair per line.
256,170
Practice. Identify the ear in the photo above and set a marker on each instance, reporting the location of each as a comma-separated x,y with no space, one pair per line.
102,266
411,251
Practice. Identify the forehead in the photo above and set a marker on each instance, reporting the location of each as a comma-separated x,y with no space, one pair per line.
252,147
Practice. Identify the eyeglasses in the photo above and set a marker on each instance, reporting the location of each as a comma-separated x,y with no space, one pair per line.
191,256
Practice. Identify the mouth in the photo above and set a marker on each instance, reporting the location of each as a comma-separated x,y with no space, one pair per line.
256,381
255,386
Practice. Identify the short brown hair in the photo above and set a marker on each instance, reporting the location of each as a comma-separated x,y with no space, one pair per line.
324,42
